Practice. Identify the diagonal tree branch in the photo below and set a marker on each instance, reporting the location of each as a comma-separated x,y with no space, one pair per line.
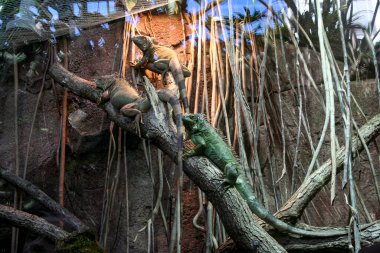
234,212
43,198
292,210
32,223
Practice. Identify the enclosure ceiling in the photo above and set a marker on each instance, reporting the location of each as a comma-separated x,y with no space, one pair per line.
26,21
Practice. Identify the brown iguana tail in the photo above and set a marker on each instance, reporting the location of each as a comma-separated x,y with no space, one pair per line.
177,72
167,96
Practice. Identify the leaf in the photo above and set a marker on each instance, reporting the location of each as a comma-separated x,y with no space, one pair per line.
172,7
129,4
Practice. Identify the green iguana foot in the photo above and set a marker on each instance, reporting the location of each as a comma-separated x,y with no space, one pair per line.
187,152
225,186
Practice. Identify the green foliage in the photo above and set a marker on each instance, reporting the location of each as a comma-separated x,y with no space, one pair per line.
79,243
4,2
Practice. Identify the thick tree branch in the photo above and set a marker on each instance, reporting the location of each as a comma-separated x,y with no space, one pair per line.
78,241
32,223
233,210
369,236
74,83
43,198
294,207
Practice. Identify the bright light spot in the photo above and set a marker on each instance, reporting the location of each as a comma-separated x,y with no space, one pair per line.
52,29
105,26
76,9
92,44
103,7
54,13
76,31
101,42
34,10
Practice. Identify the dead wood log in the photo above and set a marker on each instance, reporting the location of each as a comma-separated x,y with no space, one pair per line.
35,193
32,222
78,241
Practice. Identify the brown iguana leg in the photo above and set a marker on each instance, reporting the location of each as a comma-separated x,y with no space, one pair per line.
160,66
129,111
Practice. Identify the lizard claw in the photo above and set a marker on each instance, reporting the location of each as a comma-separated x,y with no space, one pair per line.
137,121
224,186
187,153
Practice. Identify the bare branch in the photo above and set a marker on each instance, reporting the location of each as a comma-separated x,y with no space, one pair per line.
43,198
32,223
369,236
295,206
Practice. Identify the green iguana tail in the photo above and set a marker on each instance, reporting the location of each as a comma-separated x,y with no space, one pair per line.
246,191
177,72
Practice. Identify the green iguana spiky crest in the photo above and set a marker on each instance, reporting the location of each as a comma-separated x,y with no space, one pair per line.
210,144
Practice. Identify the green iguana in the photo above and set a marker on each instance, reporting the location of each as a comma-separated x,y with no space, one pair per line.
208,142
160,59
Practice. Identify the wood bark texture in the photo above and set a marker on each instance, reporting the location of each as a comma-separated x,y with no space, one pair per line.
32,222
237,218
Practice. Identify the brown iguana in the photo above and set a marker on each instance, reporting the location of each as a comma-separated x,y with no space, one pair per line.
208,142
160,59
126,98
122,96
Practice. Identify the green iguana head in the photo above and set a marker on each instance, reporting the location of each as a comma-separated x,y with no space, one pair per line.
194,122
143,42
104,82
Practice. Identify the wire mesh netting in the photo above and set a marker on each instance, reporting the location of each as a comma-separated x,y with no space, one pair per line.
26,21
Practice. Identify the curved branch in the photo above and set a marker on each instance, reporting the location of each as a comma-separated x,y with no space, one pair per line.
369,236
32,223
294,207
74,83
233,210
43,198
